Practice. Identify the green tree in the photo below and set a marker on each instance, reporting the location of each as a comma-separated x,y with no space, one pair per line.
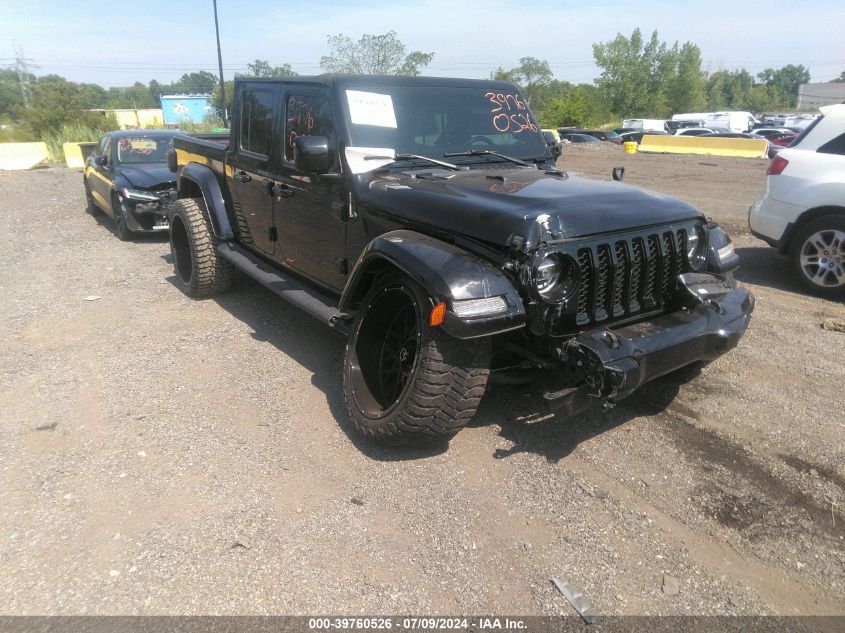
262,68
839,80
200,82
10,94
786,81
685,91
532,76
634,74
55,102
373,55
581,105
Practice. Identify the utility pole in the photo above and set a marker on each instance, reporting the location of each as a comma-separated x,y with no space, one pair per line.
23,73
220,66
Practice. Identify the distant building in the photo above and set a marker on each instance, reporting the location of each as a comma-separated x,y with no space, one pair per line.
186,108
811,96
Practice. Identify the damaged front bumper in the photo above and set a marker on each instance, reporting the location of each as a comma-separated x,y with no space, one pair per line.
615,361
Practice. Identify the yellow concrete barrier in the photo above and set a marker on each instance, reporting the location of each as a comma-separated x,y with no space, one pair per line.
710,145
73,155
22,155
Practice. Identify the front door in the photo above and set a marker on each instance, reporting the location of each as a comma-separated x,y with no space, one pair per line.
100,177
252,164
310,211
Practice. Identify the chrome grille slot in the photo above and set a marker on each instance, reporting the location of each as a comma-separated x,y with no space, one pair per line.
620,279
637,269
585,289
603,273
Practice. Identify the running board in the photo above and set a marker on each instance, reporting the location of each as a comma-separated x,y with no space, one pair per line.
287,287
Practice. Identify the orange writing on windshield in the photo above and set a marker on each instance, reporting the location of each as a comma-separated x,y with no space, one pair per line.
510,114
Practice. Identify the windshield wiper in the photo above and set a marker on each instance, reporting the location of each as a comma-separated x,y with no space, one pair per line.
487,152
400,157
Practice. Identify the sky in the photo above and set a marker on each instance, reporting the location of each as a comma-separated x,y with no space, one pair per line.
118,42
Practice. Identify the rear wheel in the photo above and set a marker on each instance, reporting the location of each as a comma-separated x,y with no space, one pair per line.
89,199
119,212
200,271
818,256
403,380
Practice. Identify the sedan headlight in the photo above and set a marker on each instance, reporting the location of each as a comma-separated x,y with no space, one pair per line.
555,277
697,247
135,194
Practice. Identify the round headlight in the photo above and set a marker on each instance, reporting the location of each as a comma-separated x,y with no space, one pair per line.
696,247
554,277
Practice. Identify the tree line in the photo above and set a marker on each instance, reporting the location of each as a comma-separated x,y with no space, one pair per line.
639,78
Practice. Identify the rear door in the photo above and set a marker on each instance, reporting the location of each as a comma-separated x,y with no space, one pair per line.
253,161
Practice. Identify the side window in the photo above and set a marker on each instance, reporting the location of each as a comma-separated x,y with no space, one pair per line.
107,148
307,115
834,146
256,133
101,146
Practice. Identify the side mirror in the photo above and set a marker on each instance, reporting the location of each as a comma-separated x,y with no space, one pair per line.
172,163
102,161
312,154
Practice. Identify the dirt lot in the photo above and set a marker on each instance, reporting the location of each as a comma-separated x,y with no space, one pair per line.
164,455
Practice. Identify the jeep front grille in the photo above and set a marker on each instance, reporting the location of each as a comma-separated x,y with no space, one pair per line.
625,276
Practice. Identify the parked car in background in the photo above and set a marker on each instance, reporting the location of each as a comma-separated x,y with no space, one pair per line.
553,141
658,125
603,135
579,138
693,131
786,140
126,177
637,136
802,211
771,132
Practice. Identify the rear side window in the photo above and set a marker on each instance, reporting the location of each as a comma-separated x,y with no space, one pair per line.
257,121
834,146
806,131
307,115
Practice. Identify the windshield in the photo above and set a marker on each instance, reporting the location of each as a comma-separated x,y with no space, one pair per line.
142,149
433,121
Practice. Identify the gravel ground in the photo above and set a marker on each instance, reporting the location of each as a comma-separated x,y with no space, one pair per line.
167,456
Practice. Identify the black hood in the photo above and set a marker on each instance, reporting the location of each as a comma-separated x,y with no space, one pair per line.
496,204
147,175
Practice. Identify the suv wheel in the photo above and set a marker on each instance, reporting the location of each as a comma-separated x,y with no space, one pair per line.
818,256
404,381
200,271
123,232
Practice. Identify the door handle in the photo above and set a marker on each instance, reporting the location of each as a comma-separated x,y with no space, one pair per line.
279,190
241,176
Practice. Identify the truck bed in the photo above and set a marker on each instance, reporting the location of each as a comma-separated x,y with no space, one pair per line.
209,145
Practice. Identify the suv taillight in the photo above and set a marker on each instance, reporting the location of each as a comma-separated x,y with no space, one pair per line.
777,166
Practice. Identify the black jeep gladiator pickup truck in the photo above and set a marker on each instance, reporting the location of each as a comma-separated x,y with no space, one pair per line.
424,219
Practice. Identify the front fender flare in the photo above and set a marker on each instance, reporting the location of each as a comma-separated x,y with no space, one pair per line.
448,274
206,180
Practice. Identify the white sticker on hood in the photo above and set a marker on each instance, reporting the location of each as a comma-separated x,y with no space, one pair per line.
370,108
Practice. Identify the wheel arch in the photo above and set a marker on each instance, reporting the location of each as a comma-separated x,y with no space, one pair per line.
446,272
200,181
815,213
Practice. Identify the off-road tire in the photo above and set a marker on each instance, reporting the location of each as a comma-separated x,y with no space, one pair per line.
124,234
91,206
200,271
827,224
445,385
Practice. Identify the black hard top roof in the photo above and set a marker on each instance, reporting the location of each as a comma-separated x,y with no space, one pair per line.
382,80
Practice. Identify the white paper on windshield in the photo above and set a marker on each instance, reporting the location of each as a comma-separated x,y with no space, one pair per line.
371,108
355,156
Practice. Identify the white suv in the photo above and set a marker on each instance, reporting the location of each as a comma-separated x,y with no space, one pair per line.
802,211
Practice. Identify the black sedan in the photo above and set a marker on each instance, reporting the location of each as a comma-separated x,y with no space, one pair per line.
127,177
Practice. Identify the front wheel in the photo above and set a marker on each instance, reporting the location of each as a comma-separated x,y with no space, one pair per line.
124,234
818,256
405,381
200,271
